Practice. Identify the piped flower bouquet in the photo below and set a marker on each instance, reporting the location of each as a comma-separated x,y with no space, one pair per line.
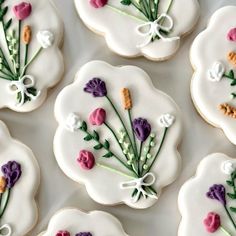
15,50
11,174
136,142
153,24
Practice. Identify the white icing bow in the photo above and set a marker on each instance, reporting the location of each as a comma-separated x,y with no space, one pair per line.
138,184
7,230
45,38
216,73
228,167
166,120
73,122
21,86
154,29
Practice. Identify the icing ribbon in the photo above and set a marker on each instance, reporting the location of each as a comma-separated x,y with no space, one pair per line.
154,30
6,228
138,184
21,86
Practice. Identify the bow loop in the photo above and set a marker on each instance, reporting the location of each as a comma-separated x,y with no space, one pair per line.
21,86
138,184
5,230
152,29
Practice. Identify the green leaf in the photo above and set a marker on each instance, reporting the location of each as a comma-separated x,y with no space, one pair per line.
7,25
233,83
233,209
98,147
2,1
231,74
231,195
230,183
126,2
88,137
84,126
106,144
96,135
108,155
3,12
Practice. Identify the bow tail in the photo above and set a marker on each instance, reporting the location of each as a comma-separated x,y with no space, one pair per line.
146,42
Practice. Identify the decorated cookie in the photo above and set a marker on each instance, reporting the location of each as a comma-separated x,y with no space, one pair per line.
73,222
30,59
150,28
118,142
19,180
207,202
213,56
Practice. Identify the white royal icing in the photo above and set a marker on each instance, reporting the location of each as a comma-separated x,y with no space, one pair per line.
131,36
67,145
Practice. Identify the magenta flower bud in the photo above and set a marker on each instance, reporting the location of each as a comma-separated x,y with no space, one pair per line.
86,160
212,222
22,10
231,36
63,233
97,117
98,3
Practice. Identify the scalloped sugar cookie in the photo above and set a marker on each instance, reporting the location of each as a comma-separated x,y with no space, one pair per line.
207,202
213,87
120,144
19,181
73,222
140,28
30,59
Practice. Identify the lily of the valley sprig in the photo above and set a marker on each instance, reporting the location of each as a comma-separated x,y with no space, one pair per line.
154,25
11,174
138,144
15,60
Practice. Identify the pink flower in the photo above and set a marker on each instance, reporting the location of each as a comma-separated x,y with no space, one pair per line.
97,117
98,3
212,222
231,36
86,160
63,233
22,10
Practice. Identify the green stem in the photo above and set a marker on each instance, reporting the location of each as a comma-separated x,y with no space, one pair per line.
230,217
5,73
115,170
158,151
5,78
122,122
5,62
31,60
156,9
6,202
19,46
225,231
112,131
26,54
133,134
146,9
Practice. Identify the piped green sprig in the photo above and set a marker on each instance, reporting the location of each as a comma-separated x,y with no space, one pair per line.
231,184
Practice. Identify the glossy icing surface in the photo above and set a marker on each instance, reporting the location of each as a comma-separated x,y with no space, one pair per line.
211,46
194,205
125,43
98,223
103,185
21,203
47,68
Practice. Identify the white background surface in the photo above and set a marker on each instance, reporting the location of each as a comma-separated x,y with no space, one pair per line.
37,129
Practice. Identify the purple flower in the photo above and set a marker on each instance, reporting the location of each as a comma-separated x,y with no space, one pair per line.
84,234
11,172
141,128
97,87
217,192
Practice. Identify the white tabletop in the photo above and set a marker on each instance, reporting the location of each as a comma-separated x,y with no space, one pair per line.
36,129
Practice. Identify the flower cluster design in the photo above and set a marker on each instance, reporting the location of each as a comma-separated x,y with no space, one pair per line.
137,143
66,233
11,174
219,193
154,25
15,60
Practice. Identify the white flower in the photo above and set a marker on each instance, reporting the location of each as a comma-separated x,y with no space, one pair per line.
45,38
166,120
73,122
228,167
216,73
